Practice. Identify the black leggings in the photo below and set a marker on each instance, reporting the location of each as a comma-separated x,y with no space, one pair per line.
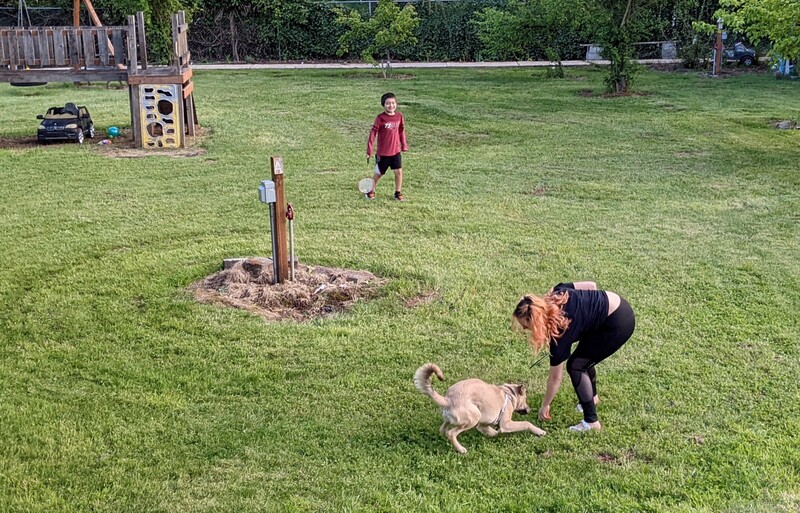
595,347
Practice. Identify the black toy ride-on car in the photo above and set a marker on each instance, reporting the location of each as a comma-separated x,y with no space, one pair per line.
67,123
741,54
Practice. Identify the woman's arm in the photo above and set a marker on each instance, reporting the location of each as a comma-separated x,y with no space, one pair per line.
584,285
553,384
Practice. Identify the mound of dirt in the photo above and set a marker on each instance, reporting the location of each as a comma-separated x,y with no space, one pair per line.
124,147
20,143
247,283
121,147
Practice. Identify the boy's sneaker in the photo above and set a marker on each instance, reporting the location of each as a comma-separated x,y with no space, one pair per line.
370,195
399,196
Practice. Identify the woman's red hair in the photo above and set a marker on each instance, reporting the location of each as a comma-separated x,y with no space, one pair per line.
544,317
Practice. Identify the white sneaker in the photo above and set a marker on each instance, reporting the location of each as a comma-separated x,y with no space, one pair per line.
580,428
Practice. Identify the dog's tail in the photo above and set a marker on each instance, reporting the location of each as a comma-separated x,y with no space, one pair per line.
422,380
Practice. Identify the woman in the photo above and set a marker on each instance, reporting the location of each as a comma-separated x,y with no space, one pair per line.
600,321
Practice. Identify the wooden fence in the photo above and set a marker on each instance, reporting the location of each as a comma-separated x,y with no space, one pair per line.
45,47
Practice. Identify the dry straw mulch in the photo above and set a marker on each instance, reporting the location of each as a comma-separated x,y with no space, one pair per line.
316,291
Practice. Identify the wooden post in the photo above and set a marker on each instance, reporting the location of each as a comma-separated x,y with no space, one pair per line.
76,22
189,113
281,256
133,90
92,13
76,13
174,58
140,36
133,60
75,49
716,67
13,51
136,122
103,39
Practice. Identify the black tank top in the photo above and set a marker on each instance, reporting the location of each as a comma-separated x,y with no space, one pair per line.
586,310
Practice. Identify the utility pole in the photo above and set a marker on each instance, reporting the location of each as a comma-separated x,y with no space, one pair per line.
718,50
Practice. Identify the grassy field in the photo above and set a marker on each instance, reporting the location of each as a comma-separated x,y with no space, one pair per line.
121,393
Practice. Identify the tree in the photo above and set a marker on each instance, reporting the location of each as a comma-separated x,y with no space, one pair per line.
775,20
620,23
279,17
694,46
616,33
550,28
526,29
382,35
501,33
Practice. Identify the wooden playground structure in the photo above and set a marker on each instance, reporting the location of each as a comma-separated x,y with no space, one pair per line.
161,97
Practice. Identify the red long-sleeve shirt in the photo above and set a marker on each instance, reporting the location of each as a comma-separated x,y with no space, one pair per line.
391,133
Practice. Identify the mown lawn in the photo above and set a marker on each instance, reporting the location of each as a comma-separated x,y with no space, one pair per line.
121,393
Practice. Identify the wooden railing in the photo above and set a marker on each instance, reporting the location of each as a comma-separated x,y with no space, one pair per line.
180,51
47,47
84,54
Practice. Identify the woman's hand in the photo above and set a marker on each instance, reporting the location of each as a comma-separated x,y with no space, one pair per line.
544,412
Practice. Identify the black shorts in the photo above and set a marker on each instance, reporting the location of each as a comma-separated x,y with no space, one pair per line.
384,163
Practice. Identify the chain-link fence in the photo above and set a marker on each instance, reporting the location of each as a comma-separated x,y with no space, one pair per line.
368,6
35,17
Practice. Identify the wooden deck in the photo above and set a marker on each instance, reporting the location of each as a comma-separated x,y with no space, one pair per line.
86,54
63,54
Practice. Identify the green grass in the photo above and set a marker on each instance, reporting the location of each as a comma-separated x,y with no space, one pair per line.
121,393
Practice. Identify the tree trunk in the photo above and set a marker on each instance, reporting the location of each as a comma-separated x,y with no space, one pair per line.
621,69
234,39
387,66
278,40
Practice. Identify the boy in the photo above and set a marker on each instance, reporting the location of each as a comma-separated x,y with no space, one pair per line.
390,129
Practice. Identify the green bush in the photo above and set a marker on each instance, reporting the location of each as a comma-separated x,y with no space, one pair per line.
264,30
534,29
465,30
697,54
447,33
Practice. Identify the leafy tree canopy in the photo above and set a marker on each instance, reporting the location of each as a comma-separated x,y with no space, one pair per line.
775,20
383,34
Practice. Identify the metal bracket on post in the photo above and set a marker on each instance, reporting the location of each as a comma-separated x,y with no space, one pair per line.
266,193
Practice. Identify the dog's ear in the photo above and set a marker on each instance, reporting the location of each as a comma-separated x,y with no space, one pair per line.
521,389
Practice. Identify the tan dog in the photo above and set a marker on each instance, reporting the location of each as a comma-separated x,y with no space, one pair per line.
473,403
